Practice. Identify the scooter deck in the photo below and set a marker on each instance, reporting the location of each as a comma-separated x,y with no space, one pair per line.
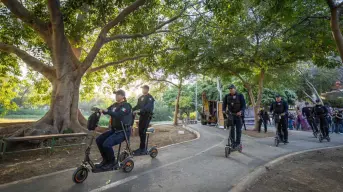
99,170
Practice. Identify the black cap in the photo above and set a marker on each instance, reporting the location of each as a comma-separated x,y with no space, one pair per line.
306,103
120,92
277,95
317,101
145,87
232,86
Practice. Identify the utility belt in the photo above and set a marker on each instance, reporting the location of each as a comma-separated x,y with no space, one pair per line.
278,116
228,116
149,114
124,127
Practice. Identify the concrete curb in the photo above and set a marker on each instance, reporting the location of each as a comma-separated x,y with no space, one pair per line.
250,179
70,169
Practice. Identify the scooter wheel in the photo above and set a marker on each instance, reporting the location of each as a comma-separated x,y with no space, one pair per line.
320,138
227,151
276,141
328,138
153,152
128,166
80,175
123,156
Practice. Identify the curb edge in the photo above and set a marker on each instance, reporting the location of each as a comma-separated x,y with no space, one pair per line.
249,179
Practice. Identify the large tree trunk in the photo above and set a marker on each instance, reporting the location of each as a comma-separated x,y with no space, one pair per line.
177,104
63,113
259,98
336,31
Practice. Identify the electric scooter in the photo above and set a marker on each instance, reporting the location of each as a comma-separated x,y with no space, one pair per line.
151,151
228,123
321,136
126,164
277,139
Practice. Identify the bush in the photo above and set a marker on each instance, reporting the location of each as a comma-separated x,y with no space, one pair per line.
162,112
36,112
336,103
192,115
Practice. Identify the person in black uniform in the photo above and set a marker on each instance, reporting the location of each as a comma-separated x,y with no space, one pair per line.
234,102
121,115
145,105
279,108
263,118
307,112
321,113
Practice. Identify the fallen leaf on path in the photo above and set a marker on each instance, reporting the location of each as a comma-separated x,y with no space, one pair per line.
107,182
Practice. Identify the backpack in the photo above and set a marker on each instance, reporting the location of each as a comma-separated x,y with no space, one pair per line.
93,121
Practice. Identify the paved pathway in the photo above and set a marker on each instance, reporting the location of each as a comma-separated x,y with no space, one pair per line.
199,165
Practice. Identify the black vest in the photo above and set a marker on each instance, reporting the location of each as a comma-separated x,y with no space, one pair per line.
307,111
116,123
319,110
278,107
234,103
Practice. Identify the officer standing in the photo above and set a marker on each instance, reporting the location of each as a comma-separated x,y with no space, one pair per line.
234,102
307,112
120,113
145,105
279,108
321,113
263,118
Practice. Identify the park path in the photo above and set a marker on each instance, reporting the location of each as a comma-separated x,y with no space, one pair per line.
199,165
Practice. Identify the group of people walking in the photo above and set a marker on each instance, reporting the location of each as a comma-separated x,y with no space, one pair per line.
318,114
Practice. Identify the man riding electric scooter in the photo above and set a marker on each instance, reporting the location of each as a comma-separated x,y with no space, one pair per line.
321,113
307,112
121,115
145,105
234,102
279,108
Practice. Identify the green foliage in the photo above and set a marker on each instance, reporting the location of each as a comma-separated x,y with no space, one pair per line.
192,115
269,96
336,103
161,111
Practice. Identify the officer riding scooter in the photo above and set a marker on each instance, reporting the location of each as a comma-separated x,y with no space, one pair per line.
321,113
279,109
120,129
235,104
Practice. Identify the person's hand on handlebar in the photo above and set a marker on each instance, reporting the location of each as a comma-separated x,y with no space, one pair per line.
103,110
239,113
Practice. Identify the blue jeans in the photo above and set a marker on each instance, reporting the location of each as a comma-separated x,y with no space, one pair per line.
338,128
107,140
237,121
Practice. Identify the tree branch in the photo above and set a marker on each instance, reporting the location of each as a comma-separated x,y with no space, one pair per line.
128,59
102,36
23,14
164,80
308,96
122,36
31,61
91,70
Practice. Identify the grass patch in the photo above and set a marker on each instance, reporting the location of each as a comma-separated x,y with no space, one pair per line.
15,120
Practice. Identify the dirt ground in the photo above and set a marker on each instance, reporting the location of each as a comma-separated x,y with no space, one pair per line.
17,166
310,172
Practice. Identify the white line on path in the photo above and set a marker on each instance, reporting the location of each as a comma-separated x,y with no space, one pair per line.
122,181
